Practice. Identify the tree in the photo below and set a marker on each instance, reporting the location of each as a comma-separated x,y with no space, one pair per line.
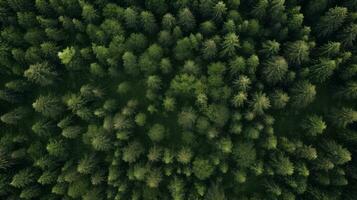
303,93
270,48
157,132
323,70
260,8
260,102
148,22
219,11
184,156
243,83
153,178
186,20
57,148
209,49
87,164
279,99
202,168
314,125
23,178
338,154
168,21
230,44
239,99
131,18
88,12
297,52
344,116
132,152
67,55
275,69
49,106
331,21
183,84
15,116
237,65
187,118
177,188
72,132
330,49
244,154
183,49
41,73
282,165
349,35
349,91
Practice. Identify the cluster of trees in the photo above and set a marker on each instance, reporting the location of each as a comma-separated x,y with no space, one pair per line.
183,100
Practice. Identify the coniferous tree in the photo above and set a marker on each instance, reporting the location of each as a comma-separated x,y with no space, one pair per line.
314,125
344,116
331,21
303,93
49,106
41,74
14,116
275,69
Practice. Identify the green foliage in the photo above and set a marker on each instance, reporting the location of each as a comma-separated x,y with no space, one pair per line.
49,106
41,73
183,100
67,55
314,125
275,69
303,93
202,168
331,21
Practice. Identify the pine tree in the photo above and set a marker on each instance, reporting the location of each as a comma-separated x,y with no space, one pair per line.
302,94
314,125
275,69
148,22
270,48
131,18
323,70
331,21
279,99
23,178
297,52
260,9
219,11
41,73
157,132
168,21
202,168
282,165
259,103
230,44
87,164
344,116
67,55
349,91
132,152
330,49
349,35
49,106
244,154
186,20
177,188
14,116
338,154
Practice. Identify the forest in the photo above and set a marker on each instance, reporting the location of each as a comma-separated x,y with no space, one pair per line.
178,99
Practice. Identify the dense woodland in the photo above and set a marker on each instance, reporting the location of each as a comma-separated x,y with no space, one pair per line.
178,99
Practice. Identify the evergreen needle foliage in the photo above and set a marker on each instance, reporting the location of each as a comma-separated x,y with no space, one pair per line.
178,99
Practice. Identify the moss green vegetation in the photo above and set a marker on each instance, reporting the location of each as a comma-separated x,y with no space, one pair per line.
178,99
